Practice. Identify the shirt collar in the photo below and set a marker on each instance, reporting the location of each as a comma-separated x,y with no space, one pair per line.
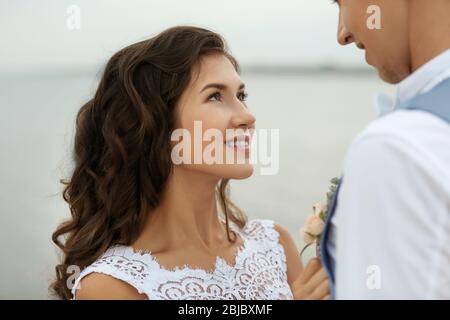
421,81
425,78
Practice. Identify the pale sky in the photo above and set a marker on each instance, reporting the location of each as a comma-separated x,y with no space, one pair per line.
34,35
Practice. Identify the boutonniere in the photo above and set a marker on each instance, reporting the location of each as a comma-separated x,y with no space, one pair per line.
315,224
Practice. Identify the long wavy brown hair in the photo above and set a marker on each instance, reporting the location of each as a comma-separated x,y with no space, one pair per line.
122,147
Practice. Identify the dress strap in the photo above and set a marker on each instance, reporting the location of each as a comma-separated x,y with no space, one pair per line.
122,263
262,231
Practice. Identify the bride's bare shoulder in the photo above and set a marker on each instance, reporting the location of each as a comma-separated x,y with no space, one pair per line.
98,286
293,260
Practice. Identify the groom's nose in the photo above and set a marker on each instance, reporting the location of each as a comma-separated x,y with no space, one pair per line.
344,37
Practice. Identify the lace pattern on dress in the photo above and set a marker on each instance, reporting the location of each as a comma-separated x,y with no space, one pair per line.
259,271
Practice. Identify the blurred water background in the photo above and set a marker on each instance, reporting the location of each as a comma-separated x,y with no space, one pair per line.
299,81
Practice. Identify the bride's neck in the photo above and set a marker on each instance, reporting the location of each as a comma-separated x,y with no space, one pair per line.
187,213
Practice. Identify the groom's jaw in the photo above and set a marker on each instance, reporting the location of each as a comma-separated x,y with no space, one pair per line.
386,42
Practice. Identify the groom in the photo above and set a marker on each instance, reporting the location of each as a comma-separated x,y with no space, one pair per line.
388,230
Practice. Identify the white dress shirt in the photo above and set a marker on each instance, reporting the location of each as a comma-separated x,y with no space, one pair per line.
390,235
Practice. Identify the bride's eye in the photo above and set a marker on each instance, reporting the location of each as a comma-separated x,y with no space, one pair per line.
242,96
216,96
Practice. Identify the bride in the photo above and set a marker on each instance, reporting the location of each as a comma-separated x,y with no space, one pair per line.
143,227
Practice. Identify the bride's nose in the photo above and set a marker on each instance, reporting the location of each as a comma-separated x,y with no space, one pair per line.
243,118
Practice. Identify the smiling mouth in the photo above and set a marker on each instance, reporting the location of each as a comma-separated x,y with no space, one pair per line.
239,142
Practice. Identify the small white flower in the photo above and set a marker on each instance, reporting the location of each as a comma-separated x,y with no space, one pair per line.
320,208
314,225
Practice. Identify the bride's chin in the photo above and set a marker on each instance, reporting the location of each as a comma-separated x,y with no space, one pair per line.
231,171
239,171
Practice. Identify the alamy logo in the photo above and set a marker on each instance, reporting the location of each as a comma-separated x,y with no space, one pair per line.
374,20
373,281
74,272
212,146
73,21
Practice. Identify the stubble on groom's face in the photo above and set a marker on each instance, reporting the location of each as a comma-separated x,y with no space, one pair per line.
387,47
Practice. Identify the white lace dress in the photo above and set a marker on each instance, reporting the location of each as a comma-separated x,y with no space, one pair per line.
259,271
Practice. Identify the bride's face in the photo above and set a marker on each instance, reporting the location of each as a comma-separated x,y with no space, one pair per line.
214,122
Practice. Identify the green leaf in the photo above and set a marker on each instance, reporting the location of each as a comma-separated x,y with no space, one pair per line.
322,215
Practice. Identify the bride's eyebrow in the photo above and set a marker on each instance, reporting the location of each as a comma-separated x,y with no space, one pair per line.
220,86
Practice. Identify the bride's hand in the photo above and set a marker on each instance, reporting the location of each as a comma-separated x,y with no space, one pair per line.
312,284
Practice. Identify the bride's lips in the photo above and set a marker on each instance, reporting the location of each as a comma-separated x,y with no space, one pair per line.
240,143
